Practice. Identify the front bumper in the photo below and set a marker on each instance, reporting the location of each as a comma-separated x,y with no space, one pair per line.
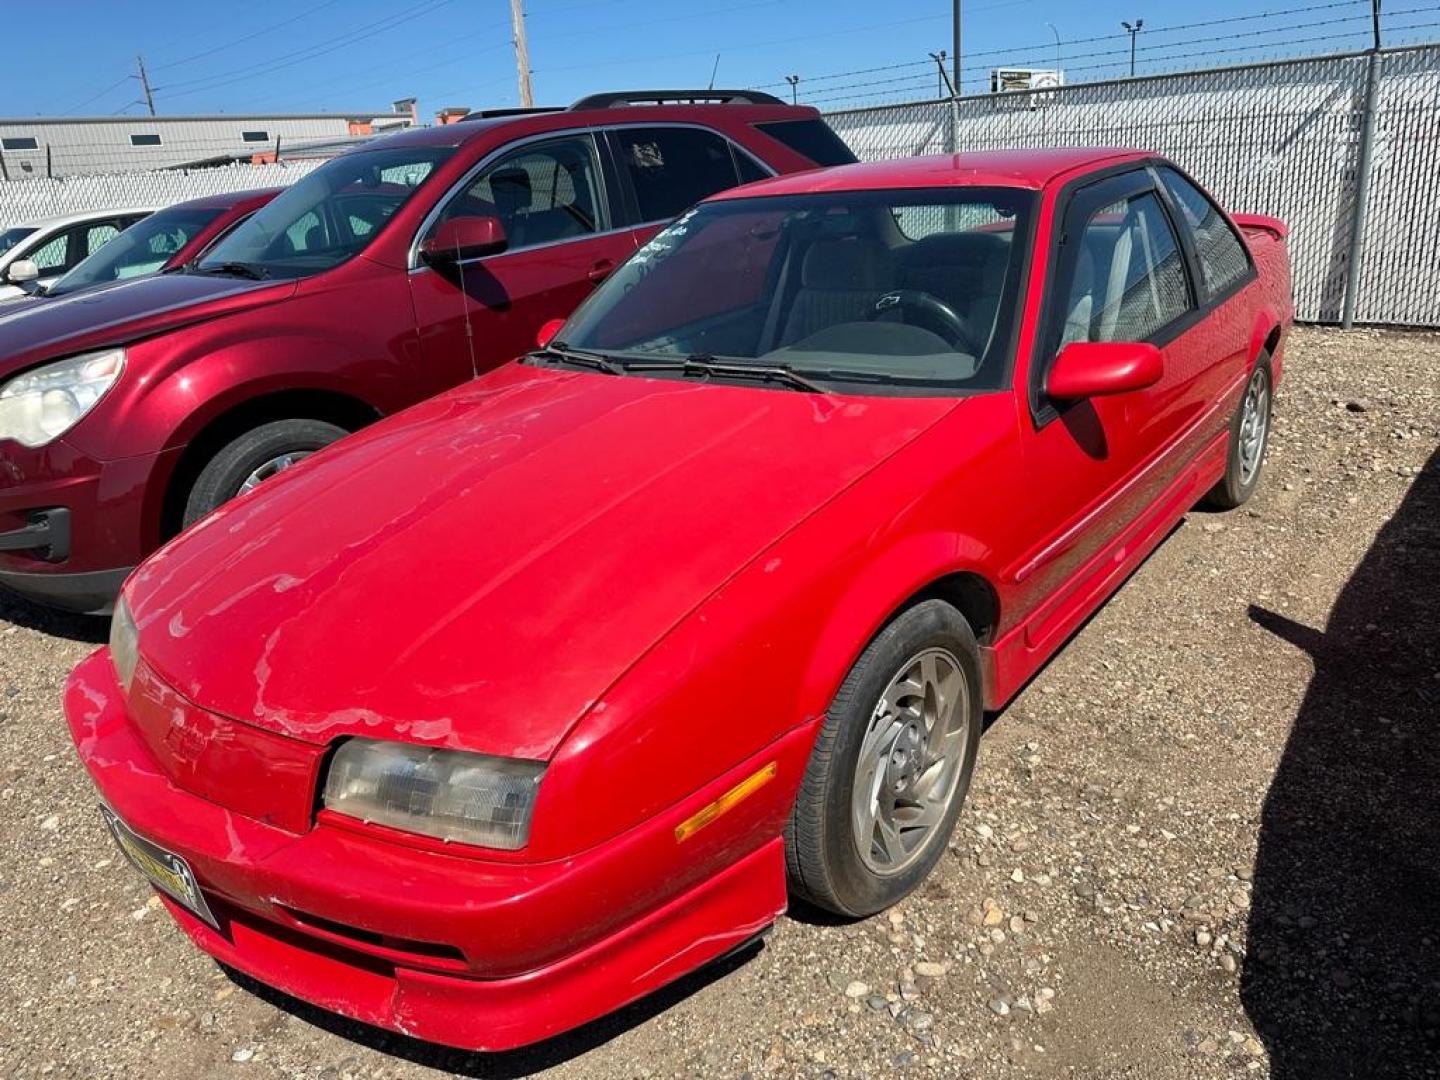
72,527
475,953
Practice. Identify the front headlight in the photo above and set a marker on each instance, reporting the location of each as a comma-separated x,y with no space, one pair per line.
124,649
449,794
41,405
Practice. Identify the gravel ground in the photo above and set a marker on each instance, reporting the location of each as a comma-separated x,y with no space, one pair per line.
1201,844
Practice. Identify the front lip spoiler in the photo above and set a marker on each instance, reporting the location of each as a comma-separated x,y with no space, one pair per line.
47,531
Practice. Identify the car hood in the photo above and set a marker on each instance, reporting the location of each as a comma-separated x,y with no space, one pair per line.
113,314
477,571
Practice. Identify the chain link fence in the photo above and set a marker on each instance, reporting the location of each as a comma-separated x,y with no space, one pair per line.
24,201
1283,138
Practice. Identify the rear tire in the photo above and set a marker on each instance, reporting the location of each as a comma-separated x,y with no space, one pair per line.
254,457
1249,440
890,767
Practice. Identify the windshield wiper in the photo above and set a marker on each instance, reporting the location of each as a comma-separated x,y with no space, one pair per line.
560,351
705,364
237,269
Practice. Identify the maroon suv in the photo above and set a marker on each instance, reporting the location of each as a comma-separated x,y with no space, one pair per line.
390,273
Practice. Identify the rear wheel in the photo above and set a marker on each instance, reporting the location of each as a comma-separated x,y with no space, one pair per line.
254,457
890,767
1249,439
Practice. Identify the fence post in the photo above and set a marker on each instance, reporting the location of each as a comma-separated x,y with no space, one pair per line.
1362,189
49,170
4,169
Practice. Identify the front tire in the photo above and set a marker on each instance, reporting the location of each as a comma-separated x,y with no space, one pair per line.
1249,439
891,766
254,457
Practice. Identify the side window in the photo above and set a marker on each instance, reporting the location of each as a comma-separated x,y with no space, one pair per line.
1223,261
673,168
542,193
97,236
53,256
1129,280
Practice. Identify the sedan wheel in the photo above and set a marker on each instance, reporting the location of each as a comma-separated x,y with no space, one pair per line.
1249,439
910,761
890,767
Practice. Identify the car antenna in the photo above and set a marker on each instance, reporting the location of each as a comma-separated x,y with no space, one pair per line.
465,311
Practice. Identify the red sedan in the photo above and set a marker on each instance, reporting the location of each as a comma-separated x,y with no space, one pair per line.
549,690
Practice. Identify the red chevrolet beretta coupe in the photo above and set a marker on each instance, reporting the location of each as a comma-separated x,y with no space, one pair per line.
538,695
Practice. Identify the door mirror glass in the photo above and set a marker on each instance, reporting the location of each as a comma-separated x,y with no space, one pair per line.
1086,369
22,271
464,238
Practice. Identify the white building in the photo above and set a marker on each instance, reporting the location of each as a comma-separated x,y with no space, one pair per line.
73,146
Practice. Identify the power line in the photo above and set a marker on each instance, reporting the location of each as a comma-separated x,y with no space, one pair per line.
247,37
275,63
1173,29
96,97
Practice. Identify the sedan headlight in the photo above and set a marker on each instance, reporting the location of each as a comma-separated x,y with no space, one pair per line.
449,794
41,405
124,649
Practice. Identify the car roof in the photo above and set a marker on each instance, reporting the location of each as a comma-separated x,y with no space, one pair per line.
227,199
476,127
1032,169
88,215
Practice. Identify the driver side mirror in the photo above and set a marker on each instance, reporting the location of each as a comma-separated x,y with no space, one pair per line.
22,272
1086,369
464,238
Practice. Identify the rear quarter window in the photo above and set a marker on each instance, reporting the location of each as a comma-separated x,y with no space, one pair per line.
1223,260
812,138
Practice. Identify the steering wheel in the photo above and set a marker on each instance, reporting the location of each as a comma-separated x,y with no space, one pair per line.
928,311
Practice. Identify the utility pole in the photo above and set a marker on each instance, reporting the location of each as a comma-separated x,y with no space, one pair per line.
1375,20
955,50
522,55
145,85
794,81
1134,32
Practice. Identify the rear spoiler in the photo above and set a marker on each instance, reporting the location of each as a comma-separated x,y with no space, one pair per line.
1264,223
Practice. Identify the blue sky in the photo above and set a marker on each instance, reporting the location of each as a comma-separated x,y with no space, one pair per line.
301,55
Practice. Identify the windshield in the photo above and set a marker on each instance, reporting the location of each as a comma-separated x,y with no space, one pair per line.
143,248
883,288
329,216
10,237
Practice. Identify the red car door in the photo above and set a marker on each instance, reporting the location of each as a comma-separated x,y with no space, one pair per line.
1106,465
550,198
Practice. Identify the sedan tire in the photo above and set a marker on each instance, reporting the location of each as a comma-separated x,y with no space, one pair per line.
1249,439
891,766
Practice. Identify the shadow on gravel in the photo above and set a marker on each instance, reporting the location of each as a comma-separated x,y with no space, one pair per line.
1342,978
14,609
512,1064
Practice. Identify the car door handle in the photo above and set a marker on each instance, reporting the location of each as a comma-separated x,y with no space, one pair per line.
600,271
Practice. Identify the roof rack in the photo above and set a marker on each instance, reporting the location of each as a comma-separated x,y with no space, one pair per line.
618,98
491,114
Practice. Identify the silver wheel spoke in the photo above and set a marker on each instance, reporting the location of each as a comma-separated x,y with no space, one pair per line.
271,468
911,758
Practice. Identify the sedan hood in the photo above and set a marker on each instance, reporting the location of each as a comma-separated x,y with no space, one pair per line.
34,331
477,571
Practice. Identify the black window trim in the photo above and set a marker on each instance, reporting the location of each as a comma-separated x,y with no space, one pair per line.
1050,322
627,188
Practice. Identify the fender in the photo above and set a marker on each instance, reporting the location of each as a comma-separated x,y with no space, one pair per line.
886,582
